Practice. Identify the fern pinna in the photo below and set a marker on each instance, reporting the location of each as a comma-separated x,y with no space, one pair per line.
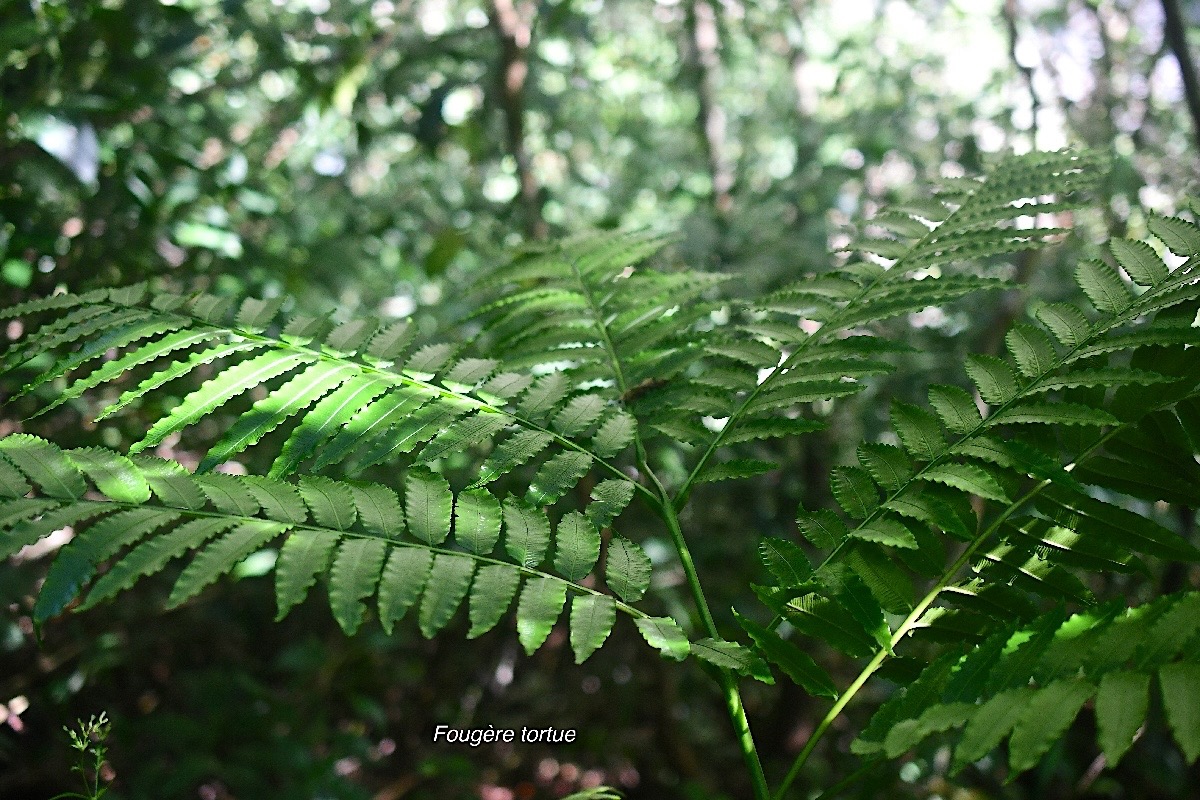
961,544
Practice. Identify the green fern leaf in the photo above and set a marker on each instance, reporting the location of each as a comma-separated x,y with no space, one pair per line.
968,478
505,385
756,354
1103,376
822,618
608,499
492,592
822,528
1031,349
331,503
854,491
1016,455
322,422
1180,685
212,395
937,718
576,546
302,329
170,482
578,414
1121,704
255,315
1179,235
1047,714
470,371
664,634
1016,565
955,408
28,531
526,533
918,431
304,555
414,429
889,584
391,341
887,464
77,325
734,469
772,428
348,337
990,724
1139,261
592,620
428,504
785,560
430,359
444,592
54,302
269,413
627,569
794,662
477,521
150,557
1066,322
44,464
557,476
539,607
995,379
221,556
1052,414
1103,286
511,453
210,308
1170,631
857,599
543,396
1020,659
280,501
114,476
228,494
732,656
369,423
404,577
353,577
76,562
12,483
463,435
379,509
121,336
614,435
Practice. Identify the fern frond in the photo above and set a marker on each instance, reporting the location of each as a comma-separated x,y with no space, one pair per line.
1112,653
351,393
1036,508
810,321
429,552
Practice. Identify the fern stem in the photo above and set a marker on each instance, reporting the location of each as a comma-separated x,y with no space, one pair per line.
833,714
729,687
914,617
665,505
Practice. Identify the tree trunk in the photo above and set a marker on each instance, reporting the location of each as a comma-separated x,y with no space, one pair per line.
514,26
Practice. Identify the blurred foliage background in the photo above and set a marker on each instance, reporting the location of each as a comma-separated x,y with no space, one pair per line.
367,156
